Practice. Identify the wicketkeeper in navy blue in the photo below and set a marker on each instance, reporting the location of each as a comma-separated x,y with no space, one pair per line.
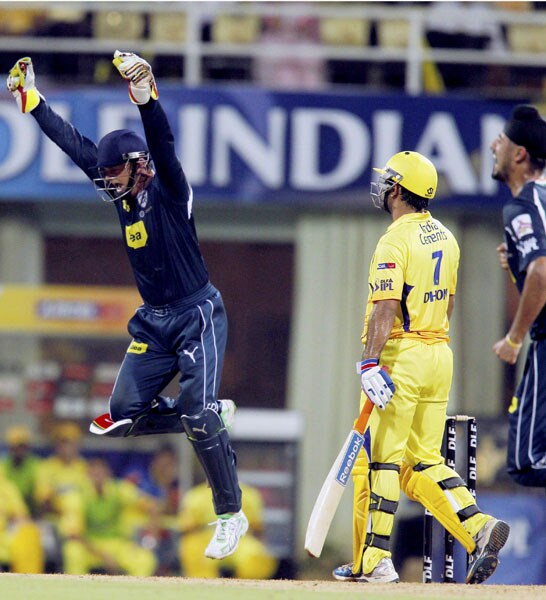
520,159
182,325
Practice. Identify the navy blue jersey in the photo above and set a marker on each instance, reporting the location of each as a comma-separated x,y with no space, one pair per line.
525,232
158,228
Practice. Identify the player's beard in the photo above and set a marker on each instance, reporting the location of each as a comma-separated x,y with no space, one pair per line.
497,174
386,207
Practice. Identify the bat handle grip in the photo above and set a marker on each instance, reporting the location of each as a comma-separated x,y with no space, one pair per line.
362,421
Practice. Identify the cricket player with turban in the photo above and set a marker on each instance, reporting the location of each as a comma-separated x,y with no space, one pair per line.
406,371
520,159
182,325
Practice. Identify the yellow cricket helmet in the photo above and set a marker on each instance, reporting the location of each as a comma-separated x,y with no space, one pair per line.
412,171
18,435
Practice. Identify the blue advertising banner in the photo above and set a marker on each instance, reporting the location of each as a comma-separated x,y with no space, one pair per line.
251,146
523,559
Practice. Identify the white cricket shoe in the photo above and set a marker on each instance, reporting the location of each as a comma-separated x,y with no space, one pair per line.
384,572
229,530
227,412
489,541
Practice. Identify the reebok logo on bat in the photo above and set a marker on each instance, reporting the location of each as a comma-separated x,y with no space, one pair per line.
348,461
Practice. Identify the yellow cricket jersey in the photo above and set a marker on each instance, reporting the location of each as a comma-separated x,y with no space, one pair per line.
55,477
415,262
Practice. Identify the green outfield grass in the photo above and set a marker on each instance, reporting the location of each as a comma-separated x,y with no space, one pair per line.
59,587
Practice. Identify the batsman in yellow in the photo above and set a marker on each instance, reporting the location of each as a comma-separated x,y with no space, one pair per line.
406,371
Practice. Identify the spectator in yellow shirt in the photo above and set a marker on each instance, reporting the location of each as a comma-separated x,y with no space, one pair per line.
20,542
63,472
95,538
20,465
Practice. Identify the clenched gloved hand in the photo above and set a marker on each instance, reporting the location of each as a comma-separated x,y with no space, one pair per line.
376,382
20,83
139,74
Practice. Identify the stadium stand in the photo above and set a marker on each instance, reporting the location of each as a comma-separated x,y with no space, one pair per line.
345,45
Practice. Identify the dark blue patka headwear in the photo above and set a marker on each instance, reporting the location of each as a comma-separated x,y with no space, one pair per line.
526,128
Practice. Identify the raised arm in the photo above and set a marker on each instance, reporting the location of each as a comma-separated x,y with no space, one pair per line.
161,145
21,83
143,92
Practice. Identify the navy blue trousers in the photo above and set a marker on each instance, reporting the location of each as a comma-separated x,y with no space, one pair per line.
526,458
188,337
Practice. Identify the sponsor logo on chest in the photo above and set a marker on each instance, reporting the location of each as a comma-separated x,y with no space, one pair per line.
136,235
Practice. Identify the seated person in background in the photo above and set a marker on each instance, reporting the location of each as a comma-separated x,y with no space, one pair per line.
20,465
160,532
20,543
291,71
62,472
161,482
96,535
252,559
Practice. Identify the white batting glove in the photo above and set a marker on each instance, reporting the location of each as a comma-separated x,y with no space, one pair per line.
20,83
139,74
376,383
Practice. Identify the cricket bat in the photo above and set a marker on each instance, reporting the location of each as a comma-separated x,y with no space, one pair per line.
334,485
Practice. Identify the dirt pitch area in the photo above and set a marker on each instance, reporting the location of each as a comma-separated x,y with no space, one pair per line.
55,587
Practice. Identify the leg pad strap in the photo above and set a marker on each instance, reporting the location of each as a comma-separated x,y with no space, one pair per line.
382,542
377,466
451,483
382,504
469,511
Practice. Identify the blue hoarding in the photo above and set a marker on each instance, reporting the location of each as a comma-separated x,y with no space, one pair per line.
251,146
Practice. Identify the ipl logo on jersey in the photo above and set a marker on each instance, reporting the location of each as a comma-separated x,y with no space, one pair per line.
383,285
526,246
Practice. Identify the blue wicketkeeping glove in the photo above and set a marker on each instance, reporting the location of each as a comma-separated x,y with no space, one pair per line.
376,382
20,83
139,74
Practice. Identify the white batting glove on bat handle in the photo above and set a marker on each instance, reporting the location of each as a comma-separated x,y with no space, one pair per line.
376,382
138,73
